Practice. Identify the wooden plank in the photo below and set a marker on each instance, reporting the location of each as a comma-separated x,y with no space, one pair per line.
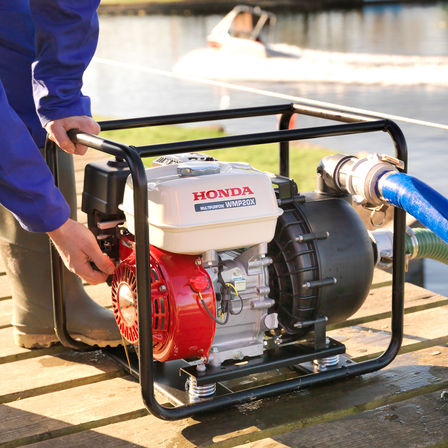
381,277
406,364
416,299
36,376
419,422
419,329
410,376
378,304
28,419
8,348
11,352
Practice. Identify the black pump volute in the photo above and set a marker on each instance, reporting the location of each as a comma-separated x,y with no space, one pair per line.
323,262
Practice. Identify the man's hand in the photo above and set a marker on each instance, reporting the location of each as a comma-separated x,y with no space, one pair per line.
57,131
78,247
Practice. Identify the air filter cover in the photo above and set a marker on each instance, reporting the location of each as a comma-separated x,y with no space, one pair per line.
197,206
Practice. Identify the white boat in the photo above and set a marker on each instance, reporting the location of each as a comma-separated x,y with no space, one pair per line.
239,49
246,30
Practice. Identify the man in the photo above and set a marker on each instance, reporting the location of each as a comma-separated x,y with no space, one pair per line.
45,46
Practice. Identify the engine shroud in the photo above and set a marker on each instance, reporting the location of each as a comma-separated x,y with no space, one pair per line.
180,323
198,206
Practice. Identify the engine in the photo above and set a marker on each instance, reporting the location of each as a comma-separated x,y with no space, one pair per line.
239,259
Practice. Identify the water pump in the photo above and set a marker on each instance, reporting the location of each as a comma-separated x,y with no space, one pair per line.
223,271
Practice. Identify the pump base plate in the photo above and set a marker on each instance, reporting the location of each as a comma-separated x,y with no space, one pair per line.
170,377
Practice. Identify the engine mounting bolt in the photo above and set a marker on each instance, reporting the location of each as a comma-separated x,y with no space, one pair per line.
198,262
162,288
201,367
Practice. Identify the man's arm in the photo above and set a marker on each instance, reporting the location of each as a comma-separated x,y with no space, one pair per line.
66,38
26,185
27,189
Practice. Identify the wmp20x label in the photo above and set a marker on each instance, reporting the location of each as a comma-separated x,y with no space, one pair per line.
220,205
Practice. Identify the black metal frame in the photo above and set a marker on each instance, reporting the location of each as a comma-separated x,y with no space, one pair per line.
352,124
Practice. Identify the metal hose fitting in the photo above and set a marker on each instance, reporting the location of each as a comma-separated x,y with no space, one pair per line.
356,176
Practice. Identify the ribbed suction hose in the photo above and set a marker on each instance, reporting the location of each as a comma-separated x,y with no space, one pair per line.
429,245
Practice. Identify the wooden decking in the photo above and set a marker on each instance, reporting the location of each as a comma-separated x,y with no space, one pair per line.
59,398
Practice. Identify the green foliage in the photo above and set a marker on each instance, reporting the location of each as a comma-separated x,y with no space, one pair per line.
304,157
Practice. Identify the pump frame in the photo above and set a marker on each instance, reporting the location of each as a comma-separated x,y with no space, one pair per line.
351,124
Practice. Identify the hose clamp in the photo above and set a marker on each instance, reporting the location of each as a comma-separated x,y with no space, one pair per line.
414,241
392,160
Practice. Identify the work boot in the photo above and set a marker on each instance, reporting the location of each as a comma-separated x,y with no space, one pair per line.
27,261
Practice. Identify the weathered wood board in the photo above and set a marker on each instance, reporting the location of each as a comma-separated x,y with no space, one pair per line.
413,377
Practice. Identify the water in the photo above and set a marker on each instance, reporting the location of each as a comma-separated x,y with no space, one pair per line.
415,33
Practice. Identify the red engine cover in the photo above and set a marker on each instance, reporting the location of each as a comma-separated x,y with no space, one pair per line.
180,323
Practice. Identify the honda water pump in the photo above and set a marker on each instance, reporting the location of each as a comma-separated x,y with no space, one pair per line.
224,271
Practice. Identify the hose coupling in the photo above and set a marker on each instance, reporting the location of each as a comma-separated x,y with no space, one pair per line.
383,246
358,177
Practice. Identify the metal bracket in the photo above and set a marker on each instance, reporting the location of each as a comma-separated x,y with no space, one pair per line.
320,333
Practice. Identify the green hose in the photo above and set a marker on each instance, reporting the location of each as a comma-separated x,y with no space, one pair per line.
429,245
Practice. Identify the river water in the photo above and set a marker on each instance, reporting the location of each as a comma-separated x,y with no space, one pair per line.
136,54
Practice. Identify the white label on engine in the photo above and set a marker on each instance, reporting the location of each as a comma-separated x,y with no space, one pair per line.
240,285
220,205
